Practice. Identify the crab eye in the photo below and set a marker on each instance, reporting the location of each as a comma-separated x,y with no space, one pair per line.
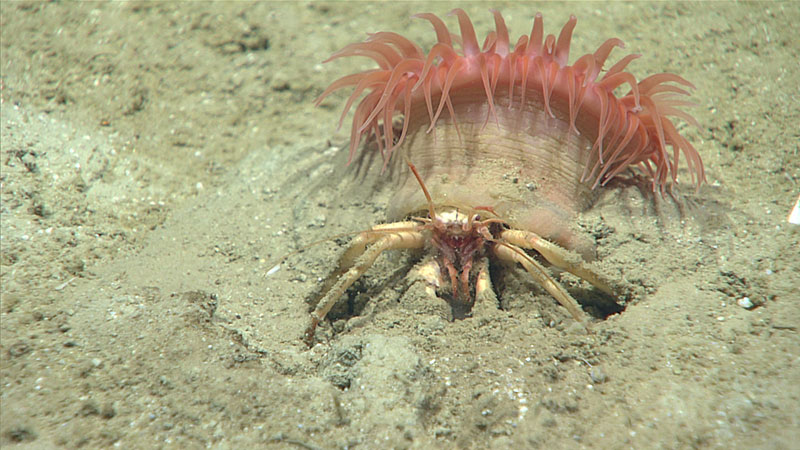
477,217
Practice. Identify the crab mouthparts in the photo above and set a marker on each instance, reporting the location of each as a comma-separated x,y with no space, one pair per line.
457,253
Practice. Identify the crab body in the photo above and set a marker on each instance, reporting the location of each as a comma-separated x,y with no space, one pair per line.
458,239
463,242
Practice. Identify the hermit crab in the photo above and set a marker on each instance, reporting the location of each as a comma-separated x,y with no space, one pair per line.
492,152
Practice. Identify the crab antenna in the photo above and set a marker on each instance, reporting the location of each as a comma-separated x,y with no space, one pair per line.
413,168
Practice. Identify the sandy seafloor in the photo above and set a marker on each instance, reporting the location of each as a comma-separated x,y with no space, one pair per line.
158,157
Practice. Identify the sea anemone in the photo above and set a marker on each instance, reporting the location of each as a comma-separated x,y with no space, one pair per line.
504,172
634,129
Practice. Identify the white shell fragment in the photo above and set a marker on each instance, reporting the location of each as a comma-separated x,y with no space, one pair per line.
794,215
274,269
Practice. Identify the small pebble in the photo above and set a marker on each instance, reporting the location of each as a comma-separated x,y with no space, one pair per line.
745,303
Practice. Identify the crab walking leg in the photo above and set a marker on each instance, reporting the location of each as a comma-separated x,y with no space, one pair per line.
485,298
483,283
358,258
513,253
359,244
431,275
427,276
557,256
357,247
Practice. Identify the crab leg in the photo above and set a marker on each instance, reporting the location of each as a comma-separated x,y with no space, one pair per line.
513,253
358,258
557,256
429,272
359,244
485,298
